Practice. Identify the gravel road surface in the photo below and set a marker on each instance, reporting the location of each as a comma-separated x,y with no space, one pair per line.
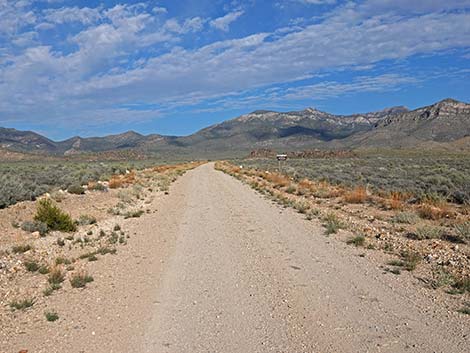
219,268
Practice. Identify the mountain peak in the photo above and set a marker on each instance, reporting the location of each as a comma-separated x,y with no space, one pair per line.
449,101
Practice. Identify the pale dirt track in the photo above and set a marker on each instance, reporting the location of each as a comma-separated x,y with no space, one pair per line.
220,269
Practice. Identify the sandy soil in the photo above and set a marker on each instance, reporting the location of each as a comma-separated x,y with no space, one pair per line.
215,267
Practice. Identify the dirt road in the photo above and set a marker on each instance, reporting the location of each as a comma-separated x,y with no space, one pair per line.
218,268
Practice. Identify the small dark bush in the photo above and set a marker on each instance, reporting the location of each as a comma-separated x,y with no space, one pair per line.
44,270
133,214
35,226
51,316
85,220
22,304
76,189
19,249
31,266
358,240
79,280
56,276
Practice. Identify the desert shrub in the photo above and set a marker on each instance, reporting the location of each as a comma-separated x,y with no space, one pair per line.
133,214
358,240
51,316
441,278
35,226
85,220
410,260
126,196
428,232
22,304
94,186
462,285
22,248
53,216
56,276
291,189
44,270
62,261
405,217
106,250
332,223
76,189
80,279
301,206
31,266
58,196
463,230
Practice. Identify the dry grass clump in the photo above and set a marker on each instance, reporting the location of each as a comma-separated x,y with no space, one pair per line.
278,180
332,223
118,181
396,200
21,248
434,212
324,190
357,195
56,276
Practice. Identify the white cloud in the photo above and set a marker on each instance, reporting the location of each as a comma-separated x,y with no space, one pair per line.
14,16
159,10
223,23
83,15
194,24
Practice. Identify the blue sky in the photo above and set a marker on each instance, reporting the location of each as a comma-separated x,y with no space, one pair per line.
92,68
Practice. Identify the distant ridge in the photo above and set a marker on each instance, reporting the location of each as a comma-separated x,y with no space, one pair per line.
445,124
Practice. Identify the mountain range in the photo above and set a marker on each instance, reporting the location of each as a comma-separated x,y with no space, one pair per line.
444,124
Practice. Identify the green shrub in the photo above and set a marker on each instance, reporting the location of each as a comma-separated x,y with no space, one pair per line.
31,266
79,280
76,189
62,261
462,285
53,216
85,220
44,270
358,240
333,224
428,232
56,276
133,214
35,226
301,207
22,304
463,230
410,259
405,217
19,249
51,316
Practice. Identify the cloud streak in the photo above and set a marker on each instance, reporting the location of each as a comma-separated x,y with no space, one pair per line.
224,22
